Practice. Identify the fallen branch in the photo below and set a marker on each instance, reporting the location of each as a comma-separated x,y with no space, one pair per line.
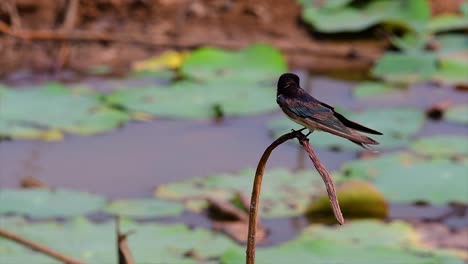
38,247
254,201
357,51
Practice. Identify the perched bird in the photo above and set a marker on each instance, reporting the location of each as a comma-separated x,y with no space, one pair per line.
305,110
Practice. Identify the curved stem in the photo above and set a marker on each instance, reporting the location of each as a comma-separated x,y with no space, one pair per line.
254,200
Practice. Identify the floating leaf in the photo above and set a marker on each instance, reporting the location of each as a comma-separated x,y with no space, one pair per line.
405,178
412,15
405,68
453,71
369,169
36,112
458,114
95,243
167,60
409,121
217,84
44,203
436,182
358,199
196,101
443,145
447,22
364,242
264,63
144,208
287,194
368,89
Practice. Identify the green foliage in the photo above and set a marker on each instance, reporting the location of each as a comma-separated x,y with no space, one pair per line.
403,178
343,16
29,113
457,114
356,242
144,208
286,194
405,68
442,145
371,89
232,83
44,203
96,243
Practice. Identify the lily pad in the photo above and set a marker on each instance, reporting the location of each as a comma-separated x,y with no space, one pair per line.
405,178
411,15
144,208
405,68
198,101
95,243
436,182
370,169
356,242
29,113
453,71
457,114
217,83
442,145
409,121
256,63
370,89
284,193
448,22
44,203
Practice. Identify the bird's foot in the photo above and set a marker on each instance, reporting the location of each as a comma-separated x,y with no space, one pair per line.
300,130
310,132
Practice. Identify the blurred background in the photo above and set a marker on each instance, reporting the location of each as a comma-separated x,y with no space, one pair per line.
157,111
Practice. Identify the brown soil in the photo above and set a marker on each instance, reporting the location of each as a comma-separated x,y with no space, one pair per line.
50,35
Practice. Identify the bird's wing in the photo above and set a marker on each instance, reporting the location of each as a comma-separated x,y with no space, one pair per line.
320,116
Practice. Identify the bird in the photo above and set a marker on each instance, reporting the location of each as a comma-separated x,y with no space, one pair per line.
302,108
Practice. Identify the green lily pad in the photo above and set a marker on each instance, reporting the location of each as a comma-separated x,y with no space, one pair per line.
370,89
436,182
405,178
356,242
198,101
255,63
447,22
95,243
144,208
28,112
340,17
452,42
443,145
217,83
453,71
44,203
283,193
405,68
369,169
457,114
409,121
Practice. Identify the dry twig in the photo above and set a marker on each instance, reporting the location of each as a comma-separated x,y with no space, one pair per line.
38,247
254,202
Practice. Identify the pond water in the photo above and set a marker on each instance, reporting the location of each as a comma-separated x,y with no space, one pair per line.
133,160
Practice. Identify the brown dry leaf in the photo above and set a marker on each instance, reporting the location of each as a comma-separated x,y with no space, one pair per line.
437,110
234,221
31,182
125,255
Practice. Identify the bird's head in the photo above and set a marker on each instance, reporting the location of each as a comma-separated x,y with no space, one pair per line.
287,83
